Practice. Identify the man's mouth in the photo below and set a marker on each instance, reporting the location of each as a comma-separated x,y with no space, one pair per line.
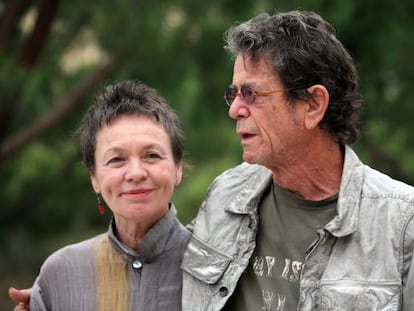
246,135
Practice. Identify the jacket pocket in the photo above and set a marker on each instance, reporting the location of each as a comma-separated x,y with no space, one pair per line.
354,295
204,262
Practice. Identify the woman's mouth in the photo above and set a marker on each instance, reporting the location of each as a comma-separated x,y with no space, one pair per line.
138,194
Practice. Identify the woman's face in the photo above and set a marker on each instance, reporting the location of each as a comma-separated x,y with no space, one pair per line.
135,169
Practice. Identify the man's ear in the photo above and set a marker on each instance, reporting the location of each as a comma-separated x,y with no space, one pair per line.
316,105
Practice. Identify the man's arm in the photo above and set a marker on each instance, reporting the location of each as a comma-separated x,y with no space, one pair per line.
408,268
21,297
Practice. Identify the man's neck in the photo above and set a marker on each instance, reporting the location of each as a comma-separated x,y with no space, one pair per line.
316,176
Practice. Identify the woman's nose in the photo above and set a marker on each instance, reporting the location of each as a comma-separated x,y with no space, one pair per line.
136,171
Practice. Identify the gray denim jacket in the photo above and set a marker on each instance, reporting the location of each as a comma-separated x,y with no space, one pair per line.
361,260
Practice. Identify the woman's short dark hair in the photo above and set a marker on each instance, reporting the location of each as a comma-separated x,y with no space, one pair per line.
303,51
128,98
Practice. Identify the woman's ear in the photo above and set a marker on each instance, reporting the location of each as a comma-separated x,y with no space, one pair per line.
95,183
316,105
179,173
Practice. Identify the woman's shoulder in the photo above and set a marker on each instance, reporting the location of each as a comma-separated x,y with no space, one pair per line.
72,255
70,269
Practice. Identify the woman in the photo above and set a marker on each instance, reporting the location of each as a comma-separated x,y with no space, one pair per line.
132,145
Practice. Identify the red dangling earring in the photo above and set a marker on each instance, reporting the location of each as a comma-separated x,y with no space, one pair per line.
101,207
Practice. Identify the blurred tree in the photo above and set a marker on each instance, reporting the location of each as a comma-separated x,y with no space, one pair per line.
54,55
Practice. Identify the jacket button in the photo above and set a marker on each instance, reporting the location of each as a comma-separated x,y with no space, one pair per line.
137,265
223,291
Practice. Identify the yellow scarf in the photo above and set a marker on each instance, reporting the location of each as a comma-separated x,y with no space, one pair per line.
112,284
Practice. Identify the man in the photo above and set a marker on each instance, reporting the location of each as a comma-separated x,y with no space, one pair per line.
302,224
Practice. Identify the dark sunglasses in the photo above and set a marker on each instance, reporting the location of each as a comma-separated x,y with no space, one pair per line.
248,94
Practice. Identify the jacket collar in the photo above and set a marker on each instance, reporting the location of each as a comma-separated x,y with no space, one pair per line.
160,238
346,220
254,180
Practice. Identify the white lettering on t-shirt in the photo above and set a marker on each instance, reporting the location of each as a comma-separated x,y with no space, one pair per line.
270,261
270,304
258,265
296,269
263,266
291,271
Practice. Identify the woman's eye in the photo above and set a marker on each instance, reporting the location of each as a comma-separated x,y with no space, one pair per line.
153,155
115,160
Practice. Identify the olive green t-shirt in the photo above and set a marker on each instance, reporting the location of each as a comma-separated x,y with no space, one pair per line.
287,228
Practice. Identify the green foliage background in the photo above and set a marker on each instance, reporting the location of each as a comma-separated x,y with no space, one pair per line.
175,46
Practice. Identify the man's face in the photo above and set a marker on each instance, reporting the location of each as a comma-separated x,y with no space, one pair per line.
270,129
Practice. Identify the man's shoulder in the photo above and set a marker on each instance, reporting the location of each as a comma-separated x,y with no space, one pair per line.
377,183
372,183
246,169
242,176
237,186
